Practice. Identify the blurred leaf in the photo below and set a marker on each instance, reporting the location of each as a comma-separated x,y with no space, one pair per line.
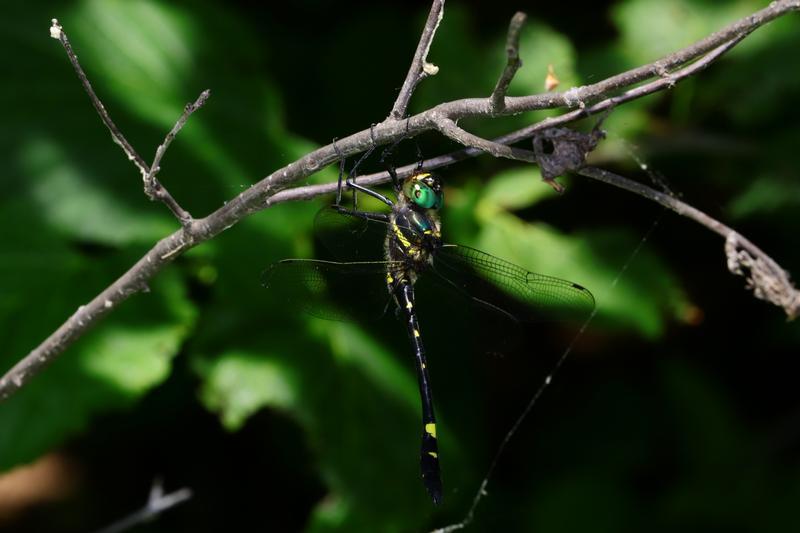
68,199
652,28
765,196
514,189
359,410
132,359
539,47
107,369
593,260
144,51
238,384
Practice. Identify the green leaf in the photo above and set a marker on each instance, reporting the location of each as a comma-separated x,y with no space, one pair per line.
238,384
71,199
653,28
765,196
109,368
643,297
356,404
540,47
143,49
514,189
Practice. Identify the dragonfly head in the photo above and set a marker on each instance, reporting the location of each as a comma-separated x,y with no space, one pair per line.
424,190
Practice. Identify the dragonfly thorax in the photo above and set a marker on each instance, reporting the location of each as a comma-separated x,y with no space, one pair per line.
413,235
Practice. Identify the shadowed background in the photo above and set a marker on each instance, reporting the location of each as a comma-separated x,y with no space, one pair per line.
678,408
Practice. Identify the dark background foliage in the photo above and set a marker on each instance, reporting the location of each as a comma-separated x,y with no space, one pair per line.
677,410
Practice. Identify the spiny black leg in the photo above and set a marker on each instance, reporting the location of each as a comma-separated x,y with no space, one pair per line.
429,450
370,192
420,159
351,178
367,215
390,168
341,173
385,155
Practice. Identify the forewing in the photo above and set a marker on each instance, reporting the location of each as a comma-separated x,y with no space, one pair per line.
331,290
348,237
510,289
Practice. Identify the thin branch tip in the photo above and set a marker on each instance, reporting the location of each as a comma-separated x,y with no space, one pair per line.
513,63
420,67
55,29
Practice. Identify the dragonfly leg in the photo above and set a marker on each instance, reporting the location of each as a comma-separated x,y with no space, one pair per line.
370,192
351,177
420,158
341,173
388,152
429,450
366,215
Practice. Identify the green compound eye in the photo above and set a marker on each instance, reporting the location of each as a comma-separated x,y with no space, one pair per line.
422,195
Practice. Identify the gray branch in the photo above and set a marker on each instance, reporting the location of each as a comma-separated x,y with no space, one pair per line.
514,63
157,503
764,276
451,130
420,68
152,187
582,101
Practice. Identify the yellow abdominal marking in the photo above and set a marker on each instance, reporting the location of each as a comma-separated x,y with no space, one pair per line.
389,279
430,429
434,455
409,305
416,333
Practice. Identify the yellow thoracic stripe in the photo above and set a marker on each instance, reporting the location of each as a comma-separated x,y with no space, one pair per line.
402,238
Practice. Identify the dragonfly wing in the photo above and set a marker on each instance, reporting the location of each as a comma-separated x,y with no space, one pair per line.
348,237
510,289
331,290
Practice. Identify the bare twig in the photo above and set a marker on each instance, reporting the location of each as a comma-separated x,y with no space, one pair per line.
57,32
581,96
420,68
152,187
764,276
514,62
157,503
311,191
450,129
265,193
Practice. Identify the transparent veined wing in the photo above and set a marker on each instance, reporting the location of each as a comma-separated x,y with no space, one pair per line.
331,290
348,237
509,289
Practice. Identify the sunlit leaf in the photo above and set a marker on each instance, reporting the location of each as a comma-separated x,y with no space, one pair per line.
238,384
108,369
514,189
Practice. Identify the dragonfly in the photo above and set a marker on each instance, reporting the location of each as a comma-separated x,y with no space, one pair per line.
412,247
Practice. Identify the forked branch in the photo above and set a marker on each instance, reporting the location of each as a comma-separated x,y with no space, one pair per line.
420,68
580,102
152,187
